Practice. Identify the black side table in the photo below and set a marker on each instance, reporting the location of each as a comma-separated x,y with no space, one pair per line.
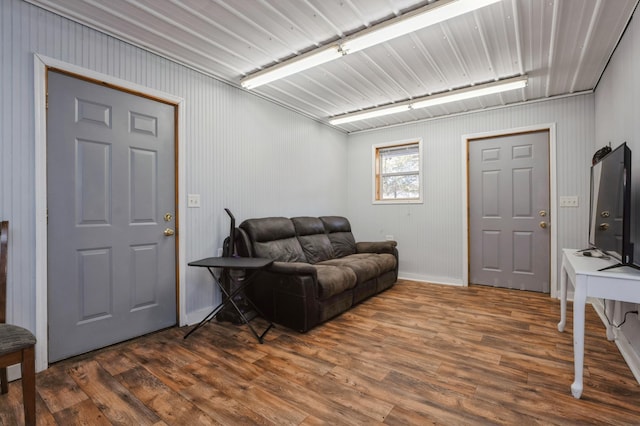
232,263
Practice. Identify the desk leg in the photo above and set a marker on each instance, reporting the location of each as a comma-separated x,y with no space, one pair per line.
563,297
579,301
612,313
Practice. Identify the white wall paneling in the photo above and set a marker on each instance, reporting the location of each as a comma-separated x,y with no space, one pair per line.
259,159
430,236
240,151
617,112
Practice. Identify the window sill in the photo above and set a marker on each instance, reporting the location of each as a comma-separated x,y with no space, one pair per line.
397,202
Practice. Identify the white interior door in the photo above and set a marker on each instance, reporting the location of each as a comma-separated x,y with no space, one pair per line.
110,198
509,218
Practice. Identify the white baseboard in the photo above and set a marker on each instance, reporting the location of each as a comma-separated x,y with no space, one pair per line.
628,353
13,372
431,280
197,316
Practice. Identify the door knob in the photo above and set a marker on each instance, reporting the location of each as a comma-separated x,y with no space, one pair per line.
169,232
603,226
543,225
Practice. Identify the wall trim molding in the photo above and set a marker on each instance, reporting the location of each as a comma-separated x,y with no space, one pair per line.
41,63
553,187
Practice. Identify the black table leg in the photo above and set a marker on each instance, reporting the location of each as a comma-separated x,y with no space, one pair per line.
229,298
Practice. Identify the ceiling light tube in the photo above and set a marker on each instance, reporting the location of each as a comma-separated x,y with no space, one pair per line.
432,14
441,98
471,92
299,63
404,24
378,112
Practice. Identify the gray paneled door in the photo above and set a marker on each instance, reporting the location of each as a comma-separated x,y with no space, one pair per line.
509,237
111,215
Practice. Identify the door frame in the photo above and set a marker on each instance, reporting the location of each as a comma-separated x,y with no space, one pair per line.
41,65
466,139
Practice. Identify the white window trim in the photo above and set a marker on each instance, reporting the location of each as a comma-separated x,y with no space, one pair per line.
374,149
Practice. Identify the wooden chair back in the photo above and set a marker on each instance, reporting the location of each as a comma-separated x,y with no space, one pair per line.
4,247
17,343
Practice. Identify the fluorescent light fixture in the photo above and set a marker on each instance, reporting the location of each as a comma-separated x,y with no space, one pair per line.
471,92
371,114
404,24
432,14
297,64
441,98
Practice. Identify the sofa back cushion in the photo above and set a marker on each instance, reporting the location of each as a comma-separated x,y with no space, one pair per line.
313,239
274,238
338,230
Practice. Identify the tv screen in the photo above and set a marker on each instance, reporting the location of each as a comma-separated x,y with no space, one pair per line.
609,229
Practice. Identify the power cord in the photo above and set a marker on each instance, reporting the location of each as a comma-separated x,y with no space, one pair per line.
623,320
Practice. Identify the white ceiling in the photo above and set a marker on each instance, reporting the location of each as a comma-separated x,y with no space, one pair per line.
562,45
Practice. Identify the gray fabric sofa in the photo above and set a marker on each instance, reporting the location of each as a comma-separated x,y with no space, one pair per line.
319,270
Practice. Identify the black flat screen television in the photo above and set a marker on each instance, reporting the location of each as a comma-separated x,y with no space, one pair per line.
610,218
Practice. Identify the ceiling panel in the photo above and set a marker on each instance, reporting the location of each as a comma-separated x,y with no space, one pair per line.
562,46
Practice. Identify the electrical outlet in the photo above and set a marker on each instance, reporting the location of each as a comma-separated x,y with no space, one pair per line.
389,237
569,201
193,200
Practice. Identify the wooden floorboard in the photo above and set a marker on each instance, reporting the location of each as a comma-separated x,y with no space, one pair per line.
416,354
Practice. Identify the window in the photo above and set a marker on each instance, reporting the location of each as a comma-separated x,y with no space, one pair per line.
398,172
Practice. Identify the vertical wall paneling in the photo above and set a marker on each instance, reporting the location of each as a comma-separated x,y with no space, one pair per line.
617,108
240,151
430,235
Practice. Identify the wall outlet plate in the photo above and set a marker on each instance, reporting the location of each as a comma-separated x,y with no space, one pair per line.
193,200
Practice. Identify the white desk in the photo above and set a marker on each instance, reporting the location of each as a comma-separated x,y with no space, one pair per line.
619,284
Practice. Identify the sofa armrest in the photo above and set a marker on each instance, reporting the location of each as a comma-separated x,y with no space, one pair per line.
292,268
376,247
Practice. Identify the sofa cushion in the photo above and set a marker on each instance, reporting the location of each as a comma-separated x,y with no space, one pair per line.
313,239
274,238
365,269
386,262
333,280
338,230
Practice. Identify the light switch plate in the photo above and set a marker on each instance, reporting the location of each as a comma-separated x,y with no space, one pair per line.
193,200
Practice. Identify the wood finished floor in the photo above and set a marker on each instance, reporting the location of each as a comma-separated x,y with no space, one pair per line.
417,354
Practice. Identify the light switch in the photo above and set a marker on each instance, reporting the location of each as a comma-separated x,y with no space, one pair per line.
569,201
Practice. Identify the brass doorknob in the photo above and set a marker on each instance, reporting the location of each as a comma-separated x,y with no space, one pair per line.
543,225
169,232
603,226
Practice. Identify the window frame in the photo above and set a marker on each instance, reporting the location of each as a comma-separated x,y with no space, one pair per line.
376,172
